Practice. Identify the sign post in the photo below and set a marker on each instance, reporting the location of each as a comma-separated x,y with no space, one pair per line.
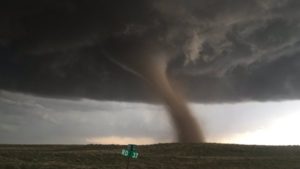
130,152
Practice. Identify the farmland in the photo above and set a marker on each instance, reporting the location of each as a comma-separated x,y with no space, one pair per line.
159,156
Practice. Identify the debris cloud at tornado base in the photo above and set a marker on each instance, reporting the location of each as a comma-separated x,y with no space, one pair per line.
222,50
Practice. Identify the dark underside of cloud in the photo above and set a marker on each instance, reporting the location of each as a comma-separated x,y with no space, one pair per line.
218,50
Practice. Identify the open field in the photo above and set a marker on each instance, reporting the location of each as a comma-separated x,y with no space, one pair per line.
178,156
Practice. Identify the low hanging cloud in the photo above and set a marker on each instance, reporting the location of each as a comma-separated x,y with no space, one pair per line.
220,50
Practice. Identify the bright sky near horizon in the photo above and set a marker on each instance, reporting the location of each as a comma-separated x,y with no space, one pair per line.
26,119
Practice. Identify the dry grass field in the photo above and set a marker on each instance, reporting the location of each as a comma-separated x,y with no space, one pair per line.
160,156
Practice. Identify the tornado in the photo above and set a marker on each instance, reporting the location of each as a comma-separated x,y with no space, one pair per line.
152,68
186,126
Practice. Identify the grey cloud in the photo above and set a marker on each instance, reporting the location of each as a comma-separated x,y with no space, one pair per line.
67,123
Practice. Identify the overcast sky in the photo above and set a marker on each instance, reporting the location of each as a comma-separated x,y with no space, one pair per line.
26,119
100,71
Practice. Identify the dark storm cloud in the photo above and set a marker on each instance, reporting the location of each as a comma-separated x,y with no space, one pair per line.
222,50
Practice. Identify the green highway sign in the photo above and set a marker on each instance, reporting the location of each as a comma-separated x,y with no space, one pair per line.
128,153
